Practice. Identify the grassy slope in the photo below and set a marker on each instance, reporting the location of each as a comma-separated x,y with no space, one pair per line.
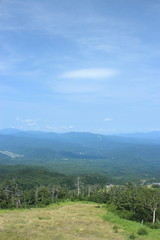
69,221
132,227
57,222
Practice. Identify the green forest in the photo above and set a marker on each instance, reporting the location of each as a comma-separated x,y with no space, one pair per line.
27,187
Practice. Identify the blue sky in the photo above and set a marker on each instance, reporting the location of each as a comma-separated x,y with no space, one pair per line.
89,65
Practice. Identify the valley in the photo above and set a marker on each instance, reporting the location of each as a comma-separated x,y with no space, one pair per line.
122,158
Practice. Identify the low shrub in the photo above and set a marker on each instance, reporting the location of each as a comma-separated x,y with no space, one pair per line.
115,228
111,207
125,214
132,236
142,231
153,226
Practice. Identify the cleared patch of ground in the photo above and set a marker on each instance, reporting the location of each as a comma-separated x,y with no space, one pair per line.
78,221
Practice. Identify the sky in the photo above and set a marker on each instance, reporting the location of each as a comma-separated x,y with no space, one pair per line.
88,66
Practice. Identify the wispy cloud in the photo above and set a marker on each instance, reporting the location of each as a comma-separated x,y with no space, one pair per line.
155,7
83,81
67,127
90,34
30,122
2,66
93,73
59,128
108,119
27,122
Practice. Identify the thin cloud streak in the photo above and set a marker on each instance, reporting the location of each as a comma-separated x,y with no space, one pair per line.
26,122
108,119
90,73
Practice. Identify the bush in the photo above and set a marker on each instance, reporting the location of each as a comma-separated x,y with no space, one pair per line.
153,226
125,214
142,231
132,236
115,228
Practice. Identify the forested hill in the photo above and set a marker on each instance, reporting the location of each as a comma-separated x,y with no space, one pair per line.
124,157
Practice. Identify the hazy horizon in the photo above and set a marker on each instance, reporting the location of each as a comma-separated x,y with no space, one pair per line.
64,132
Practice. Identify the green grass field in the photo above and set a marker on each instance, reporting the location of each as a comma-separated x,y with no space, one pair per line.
131,227
70,221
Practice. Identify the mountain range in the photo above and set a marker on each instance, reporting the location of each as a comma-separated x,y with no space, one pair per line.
126,157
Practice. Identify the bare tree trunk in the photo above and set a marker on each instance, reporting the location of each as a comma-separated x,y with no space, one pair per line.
154,216
52,194
18,202
6,192
89,191
36,194
78,186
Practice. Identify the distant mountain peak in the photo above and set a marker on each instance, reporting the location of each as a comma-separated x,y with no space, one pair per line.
9,131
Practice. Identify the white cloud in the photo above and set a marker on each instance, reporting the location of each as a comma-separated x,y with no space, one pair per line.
59,128
17,118
108,119
114,130
2,66
27,122
31,124
67,127
99,130
51,128
84,81
92,73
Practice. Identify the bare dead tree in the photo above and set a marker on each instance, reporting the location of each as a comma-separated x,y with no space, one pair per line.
78,186
36,193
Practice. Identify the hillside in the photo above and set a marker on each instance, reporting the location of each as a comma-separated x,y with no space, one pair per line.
28,177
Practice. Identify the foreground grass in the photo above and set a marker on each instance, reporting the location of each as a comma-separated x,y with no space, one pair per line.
69,221
131,227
